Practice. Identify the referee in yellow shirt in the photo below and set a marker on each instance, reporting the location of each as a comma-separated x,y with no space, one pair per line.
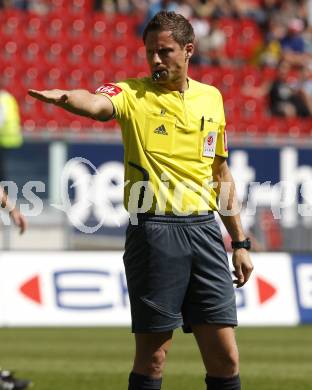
176,176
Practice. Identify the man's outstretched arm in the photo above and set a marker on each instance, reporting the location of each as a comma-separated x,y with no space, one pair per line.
230,216
78,101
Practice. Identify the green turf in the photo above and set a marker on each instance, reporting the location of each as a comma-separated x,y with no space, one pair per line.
100,358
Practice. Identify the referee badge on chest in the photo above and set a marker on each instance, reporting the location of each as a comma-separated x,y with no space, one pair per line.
210,142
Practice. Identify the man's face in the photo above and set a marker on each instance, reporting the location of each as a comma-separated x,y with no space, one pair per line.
164,55
283,70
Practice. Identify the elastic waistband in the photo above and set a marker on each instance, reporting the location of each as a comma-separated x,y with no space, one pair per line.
171,218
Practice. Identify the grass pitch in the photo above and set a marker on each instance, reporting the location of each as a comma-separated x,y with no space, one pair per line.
100,358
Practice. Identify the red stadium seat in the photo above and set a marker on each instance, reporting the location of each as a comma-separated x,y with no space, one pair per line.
55,28
211,75
9,53
120,74
35,26
99,26
228,25
99,77
33,54
32,78
56,77
77,78
306,127
99,55
277,127
299,127
12,22
72,47
76,54
78,31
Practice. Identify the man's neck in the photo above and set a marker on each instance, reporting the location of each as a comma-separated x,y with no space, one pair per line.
181,86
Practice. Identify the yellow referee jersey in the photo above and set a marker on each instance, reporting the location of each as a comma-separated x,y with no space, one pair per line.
170,141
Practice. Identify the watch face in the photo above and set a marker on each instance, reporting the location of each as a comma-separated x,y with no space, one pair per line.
247,244
241,244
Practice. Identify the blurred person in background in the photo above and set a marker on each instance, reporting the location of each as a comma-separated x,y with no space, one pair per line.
248,9
288,96
113,6
21,4
155,6
271,52
10,128
176,265
9,382
292,43
305,85
18,218
211,43
285,97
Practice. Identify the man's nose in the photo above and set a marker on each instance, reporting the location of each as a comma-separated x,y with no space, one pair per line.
156,59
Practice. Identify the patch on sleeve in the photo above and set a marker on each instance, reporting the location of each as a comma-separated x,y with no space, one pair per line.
225,141
210,144
109,89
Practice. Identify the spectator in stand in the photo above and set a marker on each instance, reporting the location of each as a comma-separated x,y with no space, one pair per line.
249,9
211,44
212,8
305,86
307,37
286,99
158,5
271,53
22,4
153,8
113,6
41,7
139,6
292,43
270,7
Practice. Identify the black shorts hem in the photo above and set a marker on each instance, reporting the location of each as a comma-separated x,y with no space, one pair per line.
187,328
157,329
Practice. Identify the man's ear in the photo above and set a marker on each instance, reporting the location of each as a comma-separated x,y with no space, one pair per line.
189,50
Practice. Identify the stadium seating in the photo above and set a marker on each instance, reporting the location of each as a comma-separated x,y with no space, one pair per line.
74,47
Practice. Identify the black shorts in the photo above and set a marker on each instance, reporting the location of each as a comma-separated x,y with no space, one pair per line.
178,273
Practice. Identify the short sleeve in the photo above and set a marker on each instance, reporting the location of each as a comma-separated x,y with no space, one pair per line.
117,94
222,147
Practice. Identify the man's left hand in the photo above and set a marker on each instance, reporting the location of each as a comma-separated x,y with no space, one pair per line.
242,266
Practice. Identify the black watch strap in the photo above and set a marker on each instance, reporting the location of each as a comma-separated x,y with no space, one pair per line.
242,244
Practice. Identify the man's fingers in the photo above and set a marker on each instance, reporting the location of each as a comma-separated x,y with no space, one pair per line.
247,270
39,95
53,96
240,281
242,274
34,93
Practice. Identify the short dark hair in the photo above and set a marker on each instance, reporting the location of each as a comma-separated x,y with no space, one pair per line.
181,28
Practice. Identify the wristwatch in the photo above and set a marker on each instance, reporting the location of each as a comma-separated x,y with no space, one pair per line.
242,244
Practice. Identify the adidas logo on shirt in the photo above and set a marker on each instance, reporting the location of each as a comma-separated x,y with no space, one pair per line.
161,130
